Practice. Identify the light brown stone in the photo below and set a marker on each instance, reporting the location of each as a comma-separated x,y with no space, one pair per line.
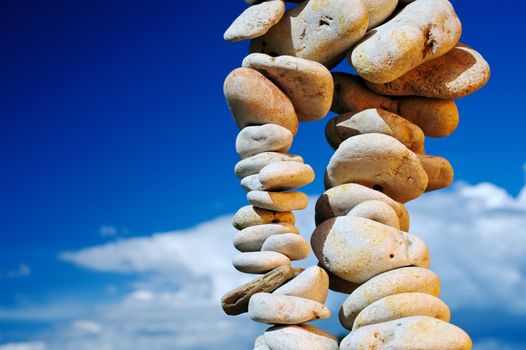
250,216
379,11
292,245
439,172
285,309
252,165
259,262
281,176
263,138
378,211
278,201
313,284
251,238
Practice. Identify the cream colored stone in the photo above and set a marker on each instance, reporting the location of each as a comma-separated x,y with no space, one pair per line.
250,216
252,165
379,11
251,238
260,344
340,200
308,84
402,305
439,172
285,309
317,30
259,262
292,245
456,74
378,211
313,284
279,201
251,183
357,249
255,21
263,138
422,31
403,280
299,337
410,333
255,100
285,175
379,162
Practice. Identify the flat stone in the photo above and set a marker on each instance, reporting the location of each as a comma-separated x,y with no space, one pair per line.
251,183
340,200
292,245
281,176
235,302
410,333
259,262
285,309
250,216
300,337
253,165
439,172
255,21
313,284
402,305
378,211
456,74
317,30
357,249
379,11
308,84
379,162
279,201
403,280
255,100
263,138
422,31
251,238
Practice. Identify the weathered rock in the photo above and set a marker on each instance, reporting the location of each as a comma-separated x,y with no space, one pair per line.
235,302
402,305
252,165
285,309
456,74
250,216
313,284
439,172
255,100
255,21
403,280
259,262
410,333
251,238
282,176
379,11
260,344
357,249
299,337
279,201
374,120
378,211
251,183
292,245
317,30
340,200
422,31
308,84
263,138
379,162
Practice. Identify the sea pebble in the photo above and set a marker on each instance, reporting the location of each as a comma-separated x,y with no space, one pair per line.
259,262
285,309
279,201
313,284
281,176
378,211
263,138
292,245
439,171
299,337
251,238
250,216
252,165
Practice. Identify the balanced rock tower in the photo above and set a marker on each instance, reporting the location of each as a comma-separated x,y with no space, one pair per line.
410,67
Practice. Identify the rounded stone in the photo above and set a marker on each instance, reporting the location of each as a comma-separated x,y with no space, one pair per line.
255,100
263,138
251,238
259,262
439,172
278,201
436,118
300,337
250,216
253,165
379,11
260,344
251,183
378,211
285,309
308,84
282,176
379,162
312,283
357,249
292,245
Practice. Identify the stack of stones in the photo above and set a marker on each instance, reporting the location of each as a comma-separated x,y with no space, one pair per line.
410,67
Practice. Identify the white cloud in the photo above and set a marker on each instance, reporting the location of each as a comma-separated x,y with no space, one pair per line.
493,344
22,270
24,346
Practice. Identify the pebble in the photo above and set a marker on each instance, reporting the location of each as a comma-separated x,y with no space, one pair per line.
403,280
317,30
458,73
259,262
235,302
357,249
379,11
253,165
439,172
422,31
292,245
255,21
255,100
251,238
250,216
263,138
308,84
260,344
402,305
378,211
278,201
285,175
299,337
410,333
251,183
285,309
313,284
380,162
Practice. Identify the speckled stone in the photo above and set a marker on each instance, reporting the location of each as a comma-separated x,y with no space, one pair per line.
278,201
250,216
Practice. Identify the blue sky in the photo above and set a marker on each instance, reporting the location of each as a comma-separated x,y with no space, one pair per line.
114,127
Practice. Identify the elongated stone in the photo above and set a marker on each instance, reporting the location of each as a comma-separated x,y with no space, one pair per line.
252,165
250,216
285,176
439,172
259,262
292,245
263,138
251,238
279,201
313,284
378,211
379,11
285,309
299,337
